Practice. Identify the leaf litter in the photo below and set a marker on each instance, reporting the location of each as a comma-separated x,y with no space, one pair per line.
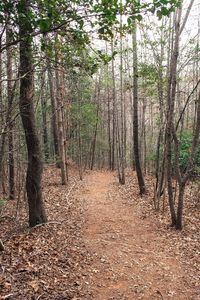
102,242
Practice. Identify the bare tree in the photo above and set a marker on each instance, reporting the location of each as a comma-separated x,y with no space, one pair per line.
135,113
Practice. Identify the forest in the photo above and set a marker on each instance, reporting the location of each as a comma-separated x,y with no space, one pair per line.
99,149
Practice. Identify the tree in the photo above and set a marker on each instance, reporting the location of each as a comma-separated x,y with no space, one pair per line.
135,114
184,177
10,125
170,134
37,213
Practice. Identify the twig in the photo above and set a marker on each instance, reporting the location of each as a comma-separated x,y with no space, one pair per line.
70,190
47,223
6,297
56,222
159,293
186,103
2,248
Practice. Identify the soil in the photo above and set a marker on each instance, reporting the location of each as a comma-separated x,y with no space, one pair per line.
99,244
133,261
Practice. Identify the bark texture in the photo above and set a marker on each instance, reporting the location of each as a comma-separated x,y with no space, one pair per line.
135,116
37,213
10,124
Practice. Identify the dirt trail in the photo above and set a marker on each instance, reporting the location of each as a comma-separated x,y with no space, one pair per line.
131,259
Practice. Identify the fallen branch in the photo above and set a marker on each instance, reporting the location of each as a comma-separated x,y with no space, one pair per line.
2,248
6,297
47,223
159,293
70,190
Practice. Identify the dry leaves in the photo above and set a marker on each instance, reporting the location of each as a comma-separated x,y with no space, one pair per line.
45,262
52,261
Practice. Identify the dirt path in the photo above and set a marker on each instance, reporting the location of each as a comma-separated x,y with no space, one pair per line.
131,260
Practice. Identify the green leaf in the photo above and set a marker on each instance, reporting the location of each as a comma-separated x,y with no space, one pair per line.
165,11
159,14
138,17
44,25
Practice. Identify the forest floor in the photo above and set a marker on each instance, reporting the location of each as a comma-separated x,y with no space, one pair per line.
102,242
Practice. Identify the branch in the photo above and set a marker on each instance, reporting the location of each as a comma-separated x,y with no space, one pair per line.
194,142
2,248
159,293
186,16
34,34
186,103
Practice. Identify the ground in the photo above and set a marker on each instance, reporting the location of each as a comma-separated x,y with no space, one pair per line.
102,242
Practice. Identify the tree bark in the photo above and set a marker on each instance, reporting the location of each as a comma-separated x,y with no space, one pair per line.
37,213
122,114
61,138
114,112
2,136
44,118
54,112
135,115
93,146
10,124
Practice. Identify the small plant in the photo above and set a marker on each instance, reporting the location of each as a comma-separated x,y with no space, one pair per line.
2,204
185,149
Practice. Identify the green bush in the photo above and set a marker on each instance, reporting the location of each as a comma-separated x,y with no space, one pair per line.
185,151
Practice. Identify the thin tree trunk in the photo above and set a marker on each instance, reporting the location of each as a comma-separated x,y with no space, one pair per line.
94,141
93,146
80,149
61,134
122,140
53,111
135,114
114,112
44,120
170,113
2,136
10,124
170,131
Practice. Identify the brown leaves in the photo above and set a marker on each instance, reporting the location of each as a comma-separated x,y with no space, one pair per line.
45,262
34,284
51,262
185,245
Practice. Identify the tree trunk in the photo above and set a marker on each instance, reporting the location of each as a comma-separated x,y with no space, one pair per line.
93,145
179,224
170,114
114,112
135,115
61,134
37,213
54,112
2,136
10,125
109,116
122,115
93,148
44,119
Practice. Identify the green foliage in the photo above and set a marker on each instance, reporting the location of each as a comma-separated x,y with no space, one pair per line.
185,146
2,204
185,150
85,115
151,156
149,72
